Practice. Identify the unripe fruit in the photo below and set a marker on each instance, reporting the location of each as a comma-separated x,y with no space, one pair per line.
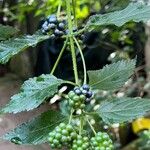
101,141
81,143
62,136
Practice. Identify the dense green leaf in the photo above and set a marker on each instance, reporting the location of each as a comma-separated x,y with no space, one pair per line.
33,92
121,110
112,76
133,12
36,130
12,47
6,32
64,107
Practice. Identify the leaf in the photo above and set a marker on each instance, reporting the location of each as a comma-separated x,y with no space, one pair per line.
33,92
113,76
12,47
36,130
121,110
7,32
64,107
133,12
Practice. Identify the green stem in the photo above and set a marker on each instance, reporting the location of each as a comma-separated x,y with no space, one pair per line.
80,129
91,126
75,33
59,9
81,124
71,83
71,116
74,12
83,60
59,57
70,27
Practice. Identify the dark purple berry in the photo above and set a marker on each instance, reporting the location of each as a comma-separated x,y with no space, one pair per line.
89,94
85,87
46,28
52,26
52,19
84,92
57,32
61,26
82,37
45,24
77,91
61,33
67,31
74,29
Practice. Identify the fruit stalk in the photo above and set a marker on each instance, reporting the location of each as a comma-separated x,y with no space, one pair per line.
73,52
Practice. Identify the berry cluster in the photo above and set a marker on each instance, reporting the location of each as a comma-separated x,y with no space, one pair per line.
101,141
63,135
81,143
52,24
79,96
85,90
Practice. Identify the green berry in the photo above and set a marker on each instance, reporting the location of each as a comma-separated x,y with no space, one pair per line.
62,125
101,141
71,94
62,135
65,132
82,97
81,143
76,98
58,136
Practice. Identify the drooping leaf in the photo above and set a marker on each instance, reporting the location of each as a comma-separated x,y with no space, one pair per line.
12,47
64,108
121,110
133,12
33,92
7,32
113,76
36,130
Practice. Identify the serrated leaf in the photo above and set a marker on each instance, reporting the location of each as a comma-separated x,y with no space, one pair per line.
12,47
113,76
7,32
133,12
33,92
121,110
36,130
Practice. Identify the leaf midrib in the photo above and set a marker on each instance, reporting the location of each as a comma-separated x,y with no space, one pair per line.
109,77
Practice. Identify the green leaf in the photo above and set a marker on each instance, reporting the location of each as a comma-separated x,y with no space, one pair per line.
36,130
133,12
7,32
33,92
64,107
113,76
12,47
121,110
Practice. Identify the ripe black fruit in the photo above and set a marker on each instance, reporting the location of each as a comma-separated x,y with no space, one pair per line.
52,19
53,26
